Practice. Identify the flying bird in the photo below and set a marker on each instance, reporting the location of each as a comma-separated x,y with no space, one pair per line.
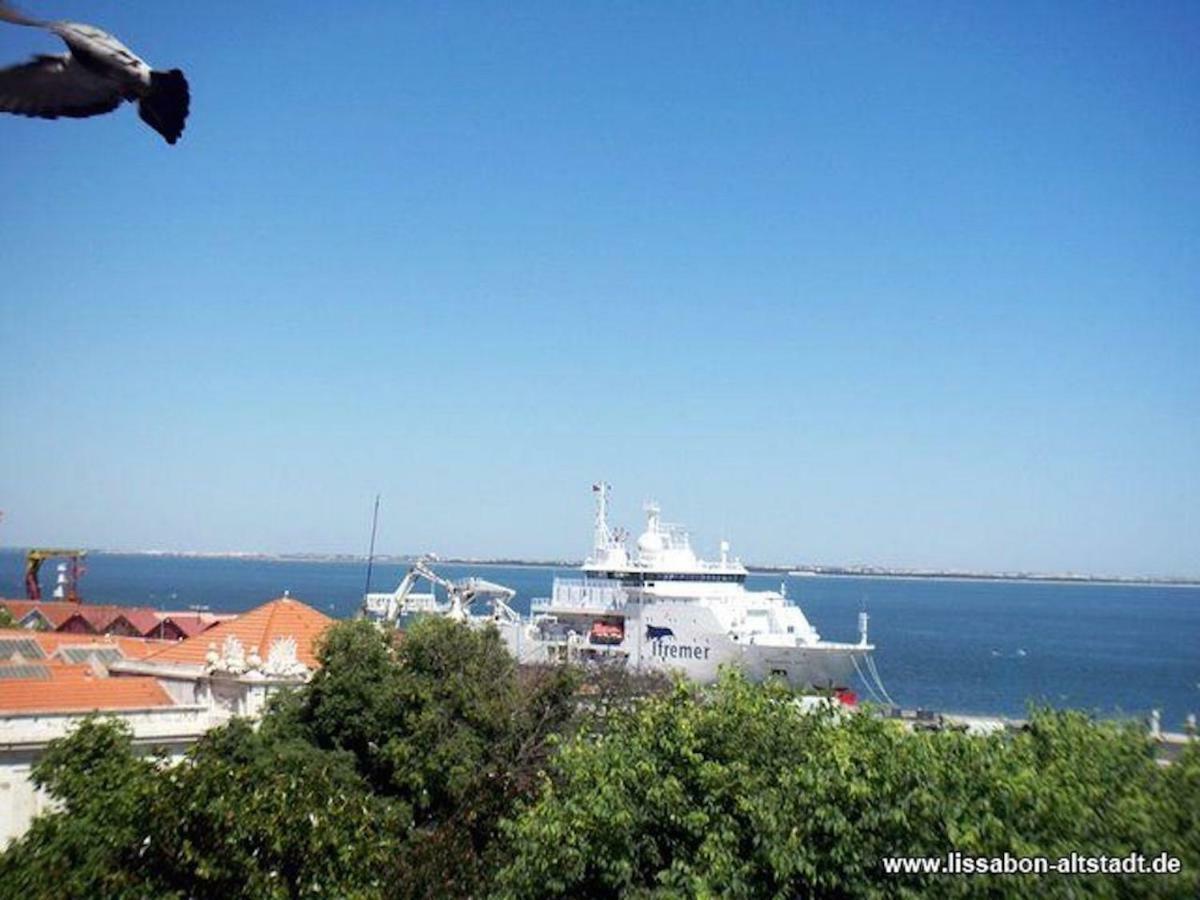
94,77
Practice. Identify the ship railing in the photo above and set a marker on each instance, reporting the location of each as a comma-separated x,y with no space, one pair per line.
425,603
376,604
579,593
676,536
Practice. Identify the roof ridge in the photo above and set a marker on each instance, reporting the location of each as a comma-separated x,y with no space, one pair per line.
267,631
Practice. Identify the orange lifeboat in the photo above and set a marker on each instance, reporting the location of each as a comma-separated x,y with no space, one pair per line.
607,632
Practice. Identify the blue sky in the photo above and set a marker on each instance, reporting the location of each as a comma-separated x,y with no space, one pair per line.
903,284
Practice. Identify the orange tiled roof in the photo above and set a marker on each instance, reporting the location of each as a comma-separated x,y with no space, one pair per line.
103,616
51,641
98,616
282,617
190,625
73,688
143,620
207,617
17,608
56,612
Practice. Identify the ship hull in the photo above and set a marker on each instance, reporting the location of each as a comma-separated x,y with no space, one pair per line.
682,638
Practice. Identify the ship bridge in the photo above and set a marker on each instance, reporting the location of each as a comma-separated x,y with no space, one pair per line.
664,552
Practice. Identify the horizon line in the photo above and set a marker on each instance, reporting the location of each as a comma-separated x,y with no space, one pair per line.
866,570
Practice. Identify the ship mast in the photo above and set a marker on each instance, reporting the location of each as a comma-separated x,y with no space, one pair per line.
602,538
371,551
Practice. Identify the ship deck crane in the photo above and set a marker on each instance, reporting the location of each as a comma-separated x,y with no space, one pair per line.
460,596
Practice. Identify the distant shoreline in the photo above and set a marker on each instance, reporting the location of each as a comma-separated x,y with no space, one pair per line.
1140,581
794,571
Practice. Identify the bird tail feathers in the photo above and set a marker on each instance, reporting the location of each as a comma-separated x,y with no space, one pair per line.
165,106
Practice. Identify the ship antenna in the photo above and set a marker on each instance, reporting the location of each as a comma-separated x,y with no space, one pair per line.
371,552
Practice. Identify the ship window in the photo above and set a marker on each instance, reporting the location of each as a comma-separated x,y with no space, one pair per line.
640,578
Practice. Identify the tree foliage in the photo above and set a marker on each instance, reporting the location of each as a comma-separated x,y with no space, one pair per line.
444,725
738,793
91,847
244,816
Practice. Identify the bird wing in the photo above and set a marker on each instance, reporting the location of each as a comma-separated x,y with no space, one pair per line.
103,54
53,86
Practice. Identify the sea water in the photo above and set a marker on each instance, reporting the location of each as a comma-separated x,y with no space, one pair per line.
987,647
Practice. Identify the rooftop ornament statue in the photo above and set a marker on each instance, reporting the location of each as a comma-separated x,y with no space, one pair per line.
233,656
282,660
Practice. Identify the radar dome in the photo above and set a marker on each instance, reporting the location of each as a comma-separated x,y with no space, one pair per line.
650,542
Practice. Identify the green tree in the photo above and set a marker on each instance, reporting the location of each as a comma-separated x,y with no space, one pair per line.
239,817
444,724
735,792
90,847
6,619
250,816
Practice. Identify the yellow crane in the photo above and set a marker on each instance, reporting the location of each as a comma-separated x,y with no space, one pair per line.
33,564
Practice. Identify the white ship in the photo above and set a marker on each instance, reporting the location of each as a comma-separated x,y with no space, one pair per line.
659,608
